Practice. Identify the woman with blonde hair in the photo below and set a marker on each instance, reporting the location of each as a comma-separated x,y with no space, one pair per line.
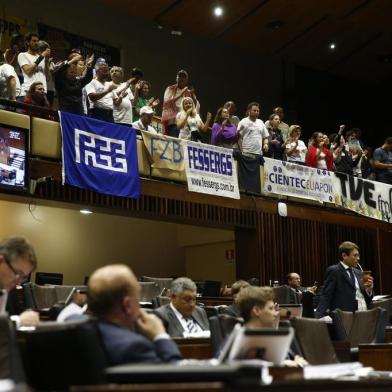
189,122
295,148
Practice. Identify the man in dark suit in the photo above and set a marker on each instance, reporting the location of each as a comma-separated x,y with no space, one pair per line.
182,317
129,334
343,285
295,290
232,310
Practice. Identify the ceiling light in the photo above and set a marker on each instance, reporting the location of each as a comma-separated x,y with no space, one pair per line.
86,212
332,46
218,11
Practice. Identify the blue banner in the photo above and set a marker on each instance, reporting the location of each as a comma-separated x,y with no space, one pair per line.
100,156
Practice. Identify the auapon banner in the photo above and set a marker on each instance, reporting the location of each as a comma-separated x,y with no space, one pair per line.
289,179
210,169
165,152
370,198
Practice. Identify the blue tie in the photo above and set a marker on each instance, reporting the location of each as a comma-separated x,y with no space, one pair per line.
351,272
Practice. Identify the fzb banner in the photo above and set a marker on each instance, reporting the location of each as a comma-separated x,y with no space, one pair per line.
210,169
99,156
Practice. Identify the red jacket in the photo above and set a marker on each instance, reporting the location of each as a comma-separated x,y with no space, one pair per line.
311,159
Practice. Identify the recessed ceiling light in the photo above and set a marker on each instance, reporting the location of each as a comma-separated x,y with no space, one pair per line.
86,212
332,46
218,11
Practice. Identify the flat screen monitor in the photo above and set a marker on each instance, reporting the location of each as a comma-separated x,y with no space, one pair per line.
14,150
264,343
211,288
42,278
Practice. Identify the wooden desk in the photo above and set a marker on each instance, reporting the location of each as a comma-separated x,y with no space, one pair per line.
194,348
215,301
388,334
377,355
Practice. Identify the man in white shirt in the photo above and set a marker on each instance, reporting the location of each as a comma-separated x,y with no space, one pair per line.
343,286
17,261
143,124
9,82
253,133
99,92
34,66
182,317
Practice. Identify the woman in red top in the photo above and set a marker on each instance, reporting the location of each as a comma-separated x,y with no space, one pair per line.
318,155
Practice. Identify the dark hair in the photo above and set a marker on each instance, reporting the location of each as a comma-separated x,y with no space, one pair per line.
250,107
271,116
30,35
15,38
346,247
237,286
218,116
31,92
314,138
137,72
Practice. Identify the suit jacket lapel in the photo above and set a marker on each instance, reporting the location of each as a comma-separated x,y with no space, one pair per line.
198,319
346,275
175,322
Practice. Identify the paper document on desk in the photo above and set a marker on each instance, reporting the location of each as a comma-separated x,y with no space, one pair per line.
378,297
331,371
201,334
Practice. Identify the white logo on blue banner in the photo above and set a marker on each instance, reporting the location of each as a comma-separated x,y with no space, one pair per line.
289,179
210,169
92,142
100,156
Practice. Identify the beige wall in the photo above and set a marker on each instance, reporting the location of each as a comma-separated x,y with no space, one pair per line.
67,241
74,244
208,262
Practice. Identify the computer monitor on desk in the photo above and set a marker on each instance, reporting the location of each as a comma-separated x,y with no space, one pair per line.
43,278
263,343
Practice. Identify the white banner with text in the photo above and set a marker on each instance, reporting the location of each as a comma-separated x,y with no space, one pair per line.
285,178
210,169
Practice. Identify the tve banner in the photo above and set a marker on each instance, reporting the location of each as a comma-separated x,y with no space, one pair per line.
370,198
165,152
210,169
288,179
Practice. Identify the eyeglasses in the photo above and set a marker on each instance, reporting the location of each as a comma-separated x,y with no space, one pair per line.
188,299
20,276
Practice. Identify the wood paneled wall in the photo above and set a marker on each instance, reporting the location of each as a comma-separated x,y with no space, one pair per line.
279,245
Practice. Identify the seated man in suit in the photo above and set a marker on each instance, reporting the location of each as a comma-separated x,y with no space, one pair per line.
182,315
343,285
129,334
294,294
236,287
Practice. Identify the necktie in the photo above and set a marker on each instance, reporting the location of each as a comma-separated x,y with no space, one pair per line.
351,272
190,324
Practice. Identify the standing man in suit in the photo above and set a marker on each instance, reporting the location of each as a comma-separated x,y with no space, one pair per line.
343,285
129,334
182,315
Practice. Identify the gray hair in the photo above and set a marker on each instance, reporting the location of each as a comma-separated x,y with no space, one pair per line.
180,284
14,247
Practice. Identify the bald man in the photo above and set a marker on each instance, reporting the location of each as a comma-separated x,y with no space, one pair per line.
129,333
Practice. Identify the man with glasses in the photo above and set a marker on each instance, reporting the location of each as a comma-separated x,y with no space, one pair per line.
17,261
182,317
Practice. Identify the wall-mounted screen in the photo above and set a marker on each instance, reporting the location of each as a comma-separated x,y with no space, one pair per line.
14,147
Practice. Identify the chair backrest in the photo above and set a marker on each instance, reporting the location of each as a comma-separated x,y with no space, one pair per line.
58,355
281,294
360,327
44,296
149,290
163,283
313,338
307,304
385,304
10,361
216,334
